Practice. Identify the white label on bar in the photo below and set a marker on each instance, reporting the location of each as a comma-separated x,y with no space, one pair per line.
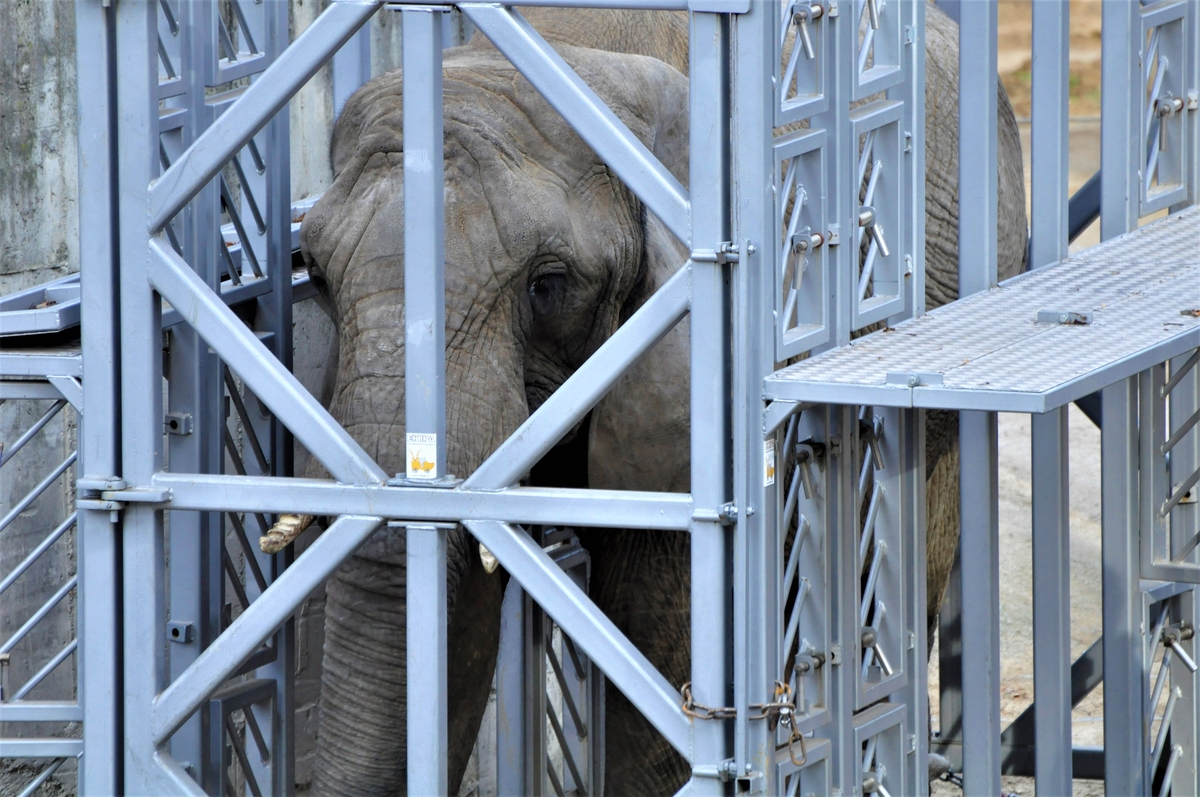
769,462
422,455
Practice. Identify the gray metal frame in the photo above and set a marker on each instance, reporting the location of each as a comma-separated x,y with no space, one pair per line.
806,509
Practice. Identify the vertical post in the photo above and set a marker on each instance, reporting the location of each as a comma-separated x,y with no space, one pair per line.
426,659
141,390
1052,602
977,169
1051,57
754,640
1124,718
98,658
1120,161
425,395
424,247
510,695
981,601
980,545
709,330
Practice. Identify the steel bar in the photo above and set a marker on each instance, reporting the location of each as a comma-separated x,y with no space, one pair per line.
260,101
41,711
595,123
1178,374
48,668
38,489
8,453
1052,602
555,591
45,747
1049,192
584,388
557,506
351,67
978,482
37,616
247,428
1124,687
977,171
239,750
247,632
42,777
1120,138
259,369
425,646
97,611
41,548
424,251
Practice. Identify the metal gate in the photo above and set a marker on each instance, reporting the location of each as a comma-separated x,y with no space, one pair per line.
807,502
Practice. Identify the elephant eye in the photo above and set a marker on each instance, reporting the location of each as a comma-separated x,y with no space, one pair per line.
546,292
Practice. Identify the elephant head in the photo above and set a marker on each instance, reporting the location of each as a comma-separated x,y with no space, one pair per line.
545,252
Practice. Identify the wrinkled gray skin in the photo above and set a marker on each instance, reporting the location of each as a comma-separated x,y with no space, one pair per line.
546,253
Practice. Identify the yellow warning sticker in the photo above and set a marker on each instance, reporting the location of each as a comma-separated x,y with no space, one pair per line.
769,461
422,455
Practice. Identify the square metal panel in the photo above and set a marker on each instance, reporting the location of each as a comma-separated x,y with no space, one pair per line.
988,351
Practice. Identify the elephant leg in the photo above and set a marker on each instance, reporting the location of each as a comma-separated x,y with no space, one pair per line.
942,509
641,580
361,744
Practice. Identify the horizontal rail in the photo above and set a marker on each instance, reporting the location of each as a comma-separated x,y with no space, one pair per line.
42,748
41,711
272,608
567,507
262,100
594,121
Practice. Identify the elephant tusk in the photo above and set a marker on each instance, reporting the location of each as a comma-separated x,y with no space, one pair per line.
286,529
490,563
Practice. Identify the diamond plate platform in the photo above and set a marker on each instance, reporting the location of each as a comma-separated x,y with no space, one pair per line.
989,351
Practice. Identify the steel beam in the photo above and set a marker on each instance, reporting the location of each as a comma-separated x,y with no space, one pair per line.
1125,742
558,414
1052,602
977,169
424,243
708,327
243,636
259,369
980,541
247,115
594,121
561,598
1120,138
1049,194
551,506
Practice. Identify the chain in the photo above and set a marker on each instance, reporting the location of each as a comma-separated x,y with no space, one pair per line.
699,711
781,711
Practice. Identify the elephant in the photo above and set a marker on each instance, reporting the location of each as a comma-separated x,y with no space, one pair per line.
547,252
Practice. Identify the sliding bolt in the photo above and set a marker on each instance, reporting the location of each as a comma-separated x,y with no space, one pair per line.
804,15
804,241
1173,635
1165,108
866,219
870,782
809,662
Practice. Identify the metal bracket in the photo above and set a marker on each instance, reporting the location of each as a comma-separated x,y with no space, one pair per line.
178,423
726,252
915,378
180,631
1065,317
725,771
447,482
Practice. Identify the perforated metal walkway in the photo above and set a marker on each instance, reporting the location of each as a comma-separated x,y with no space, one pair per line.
991,352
